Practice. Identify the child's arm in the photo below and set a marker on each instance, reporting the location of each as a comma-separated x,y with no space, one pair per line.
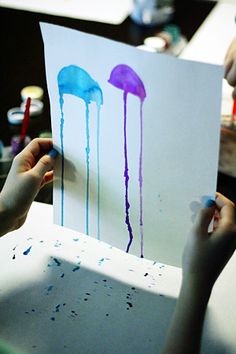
230,66
204,257
31,169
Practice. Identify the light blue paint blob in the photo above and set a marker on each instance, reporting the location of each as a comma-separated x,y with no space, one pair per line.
75,81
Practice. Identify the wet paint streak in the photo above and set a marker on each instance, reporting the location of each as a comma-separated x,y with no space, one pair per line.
58,308
87,149
25,253
124,77
58,263
75,269
49,288
102,260
98,174
141,180
74,313
76,81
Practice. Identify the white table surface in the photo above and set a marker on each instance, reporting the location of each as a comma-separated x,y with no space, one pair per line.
106,11
64,292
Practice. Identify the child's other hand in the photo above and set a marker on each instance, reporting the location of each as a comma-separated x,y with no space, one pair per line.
206,254
31,169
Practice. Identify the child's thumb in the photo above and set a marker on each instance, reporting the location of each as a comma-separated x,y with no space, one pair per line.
45,163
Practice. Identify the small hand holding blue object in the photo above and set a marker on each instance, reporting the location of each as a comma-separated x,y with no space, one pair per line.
206,254
204,257
31,169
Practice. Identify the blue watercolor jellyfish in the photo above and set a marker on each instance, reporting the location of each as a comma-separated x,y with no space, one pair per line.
124,77
75,81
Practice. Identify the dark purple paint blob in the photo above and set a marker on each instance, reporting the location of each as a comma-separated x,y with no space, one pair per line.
124,78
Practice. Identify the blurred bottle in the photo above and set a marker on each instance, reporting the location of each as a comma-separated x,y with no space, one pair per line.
152,12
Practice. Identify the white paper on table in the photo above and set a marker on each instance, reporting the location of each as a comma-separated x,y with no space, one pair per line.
181,121
113,12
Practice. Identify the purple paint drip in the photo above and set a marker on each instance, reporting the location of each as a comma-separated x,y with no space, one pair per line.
125,78
126,176
141,179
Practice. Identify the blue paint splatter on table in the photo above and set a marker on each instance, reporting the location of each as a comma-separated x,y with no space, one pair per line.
25,253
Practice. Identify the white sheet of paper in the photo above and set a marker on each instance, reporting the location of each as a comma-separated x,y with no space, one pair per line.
113,12
181,120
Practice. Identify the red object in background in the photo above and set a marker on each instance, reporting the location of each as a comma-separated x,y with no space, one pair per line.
25,121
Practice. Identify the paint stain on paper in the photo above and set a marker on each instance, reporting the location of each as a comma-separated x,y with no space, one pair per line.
125,78
26,252
58,263
75,81
76,268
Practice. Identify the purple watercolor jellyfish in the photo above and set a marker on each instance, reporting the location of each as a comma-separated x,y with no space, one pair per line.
124,78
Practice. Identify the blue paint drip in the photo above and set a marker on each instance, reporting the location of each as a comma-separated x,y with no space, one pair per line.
27,251
87,169
98,173
101,261
62,159
75,81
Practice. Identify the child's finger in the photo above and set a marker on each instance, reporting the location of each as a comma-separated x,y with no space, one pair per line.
44,164
204,218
